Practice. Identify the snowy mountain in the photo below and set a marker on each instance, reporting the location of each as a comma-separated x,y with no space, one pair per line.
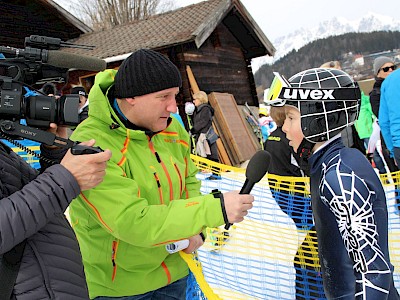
334,26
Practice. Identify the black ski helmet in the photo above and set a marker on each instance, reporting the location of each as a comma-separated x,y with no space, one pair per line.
328,100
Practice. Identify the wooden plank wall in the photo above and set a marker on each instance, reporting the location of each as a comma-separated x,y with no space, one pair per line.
20,19
220,66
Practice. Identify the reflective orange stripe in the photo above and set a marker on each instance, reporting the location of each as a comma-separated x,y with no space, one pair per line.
183,142
168,133
122,161
186,169
96,212
126,142
124,149
166,242
167,272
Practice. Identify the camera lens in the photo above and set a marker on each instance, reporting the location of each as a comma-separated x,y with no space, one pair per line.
43,110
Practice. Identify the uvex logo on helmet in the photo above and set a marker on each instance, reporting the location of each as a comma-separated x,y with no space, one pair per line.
308,94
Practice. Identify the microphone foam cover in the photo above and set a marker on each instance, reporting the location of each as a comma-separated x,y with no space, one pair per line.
258,166
72,61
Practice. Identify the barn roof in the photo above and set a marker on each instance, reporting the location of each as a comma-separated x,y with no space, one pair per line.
193,23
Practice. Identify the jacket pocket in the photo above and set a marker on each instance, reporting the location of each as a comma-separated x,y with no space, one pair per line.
41,268
160,194
114,250
180,179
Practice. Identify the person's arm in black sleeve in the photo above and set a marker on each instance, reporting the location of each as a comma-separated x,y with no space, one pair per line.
50,155
26,211
374,99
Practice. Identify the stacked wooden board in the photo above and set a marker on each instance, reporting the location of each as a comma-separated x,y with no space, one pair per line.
237,140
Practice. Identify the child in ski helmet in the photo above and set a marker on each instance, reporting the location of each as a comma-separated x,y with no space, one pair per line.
348,200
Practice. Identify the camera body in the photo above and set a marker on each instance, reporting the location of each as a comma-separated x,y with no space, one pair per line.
21,68
38,110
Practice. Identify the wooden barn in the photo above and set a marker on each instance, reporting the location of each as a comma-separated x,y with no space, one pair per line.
216,38
211,42
22,18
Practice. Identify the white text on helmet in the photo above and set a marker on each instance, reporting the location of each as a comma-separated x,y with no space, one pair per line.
304,94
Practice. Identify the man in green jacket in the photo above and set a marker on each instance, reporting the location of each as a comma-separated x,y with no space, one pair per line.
150,196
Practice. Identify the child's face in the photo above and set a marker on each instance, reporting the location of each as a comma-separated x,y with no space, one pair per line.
292,127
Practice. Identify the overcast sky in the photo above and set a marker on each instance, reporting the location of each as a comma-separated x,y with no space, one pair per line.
281,17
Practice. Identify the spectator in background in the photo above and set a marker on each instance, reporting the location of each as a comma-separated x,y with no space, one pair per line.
333,64
83,102
284,161
150,196
382,66
49,89
178,117
389,114
202,121
189,110
266,123
365,121
297,205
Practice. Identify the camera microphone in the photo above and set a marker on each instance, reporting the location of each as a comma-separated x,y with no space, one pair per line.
57,58
72,61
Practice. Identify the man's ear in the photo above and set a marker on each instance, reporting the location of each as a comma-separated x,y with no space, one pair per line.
131,101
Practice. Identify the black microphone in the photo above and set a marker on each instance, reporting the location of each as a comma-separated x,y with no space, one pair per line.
255,171
72,61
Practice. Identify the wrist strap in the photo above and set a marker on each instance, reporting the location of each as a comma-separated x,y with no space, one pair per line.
218,194
202,236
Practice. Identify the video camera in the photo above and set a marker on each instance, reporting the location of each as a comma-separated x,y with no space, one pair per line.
39,62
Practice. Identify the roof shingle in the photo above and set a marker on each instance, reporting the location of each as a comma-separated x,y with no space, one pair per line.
159,31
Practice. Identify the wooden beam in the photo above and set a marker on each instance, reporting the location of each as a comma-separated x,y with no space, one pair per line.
193,84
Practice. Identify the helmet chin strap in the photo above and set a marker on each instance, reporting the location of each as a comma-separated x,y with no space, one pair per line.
304,149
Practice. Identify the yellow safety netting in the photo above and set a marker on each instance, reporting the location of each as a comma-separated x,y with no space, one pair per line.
273,253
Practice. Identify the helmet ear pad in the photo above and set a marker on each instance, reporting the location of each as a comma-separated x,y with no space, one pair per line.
321,121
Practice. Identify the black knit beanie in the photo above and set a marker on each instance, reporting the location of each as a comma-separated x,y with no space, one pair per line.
143,72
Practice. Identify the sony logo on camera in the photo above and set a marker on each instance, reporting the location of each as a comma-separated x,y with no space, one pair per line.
27,132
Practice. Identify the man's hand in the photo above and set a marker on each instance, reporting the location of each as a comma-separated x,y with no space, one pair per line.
237,205
195,242
60,131
88,169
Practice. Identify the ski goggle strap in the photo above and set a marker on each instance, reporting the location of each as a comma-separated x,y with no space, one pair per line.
279,83
281,91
